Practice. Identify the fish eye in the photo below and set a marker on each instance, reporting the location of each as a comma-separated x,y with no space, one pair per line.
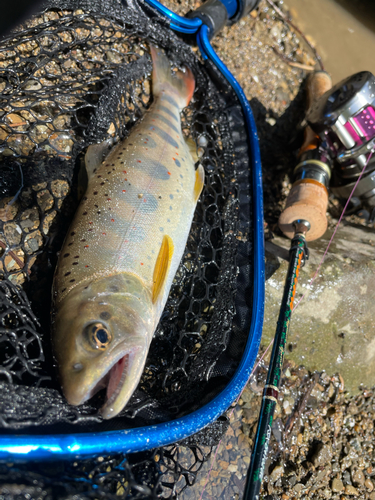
98,336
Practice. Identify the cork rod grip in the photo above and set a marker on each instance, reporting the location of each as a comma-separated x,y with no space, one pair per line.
308,199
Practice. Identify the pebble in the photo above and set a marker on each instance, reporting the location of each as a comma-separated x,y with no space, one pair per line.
276,473
8,212
358,477
322,455
337,485
350,490
369,485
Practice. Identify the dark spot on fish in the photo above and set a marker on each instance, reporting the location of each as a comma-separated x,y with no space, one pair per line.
113,288
149,142
70,244
113,165
177,163
84,198
83,239
95,192
63,290
76,256
170,208
109,172
75,263
161,228
167,122
170,99
168,112
67,274
159,197
84,213
77,367
99,176
171,196
105,315
72,281
72,233
102,183
165,136
94,170
66,255
90,229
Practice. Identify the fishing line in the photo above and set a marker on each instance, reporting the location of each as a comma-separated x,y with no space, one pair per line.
288,21
336,228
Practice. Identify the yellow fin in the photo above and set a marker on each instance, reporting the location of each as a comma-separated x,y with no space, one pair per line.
192,147
162,266
199,182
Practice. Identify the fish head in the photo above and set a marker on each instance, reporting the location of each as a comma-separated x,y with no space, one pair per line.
101,335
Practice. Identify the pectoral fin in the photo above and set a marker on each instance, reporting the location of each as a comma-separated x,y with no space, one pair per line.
199,182
162,265
190,143
95,156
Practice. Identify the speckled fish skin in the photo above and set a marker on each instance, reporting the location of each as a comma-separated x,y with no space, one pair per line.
123,249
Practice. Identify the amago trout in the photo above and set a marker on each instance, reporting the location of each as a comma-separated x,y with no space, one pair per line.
123,249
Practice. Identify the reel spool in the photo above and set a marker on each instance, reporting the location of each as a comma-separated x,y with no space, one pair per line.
344,119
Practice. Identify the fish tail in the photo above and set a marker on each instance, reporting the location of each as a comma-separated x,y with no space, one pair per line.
180,84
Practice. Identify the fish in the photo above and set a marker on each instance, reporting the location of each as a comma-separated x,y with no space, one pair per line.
124,246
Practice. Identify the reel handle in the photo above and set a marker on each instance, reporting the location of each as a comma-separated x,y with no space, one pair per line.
308,197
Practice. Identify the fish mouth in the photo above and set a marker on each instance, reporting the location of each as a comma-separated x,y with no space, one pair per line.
116,375
121,381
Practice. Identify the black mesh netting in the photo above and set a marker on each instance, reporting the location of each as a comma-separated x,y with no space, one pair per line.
77,74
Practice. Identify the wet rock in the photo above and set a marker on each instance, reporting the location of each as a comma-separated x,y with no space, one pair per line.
346,463
45,200
358,477
12,233
8,212
276,473
29,220
350,490
48,219
33,242
337,485
369,485
59,188
322,454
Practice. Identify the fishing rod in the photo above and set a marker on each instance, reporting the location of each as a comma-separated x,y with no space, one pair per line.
340,140
304,219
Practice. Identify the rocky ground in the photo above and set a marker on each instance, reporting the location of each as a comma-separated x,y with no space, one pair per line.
322,444
323,435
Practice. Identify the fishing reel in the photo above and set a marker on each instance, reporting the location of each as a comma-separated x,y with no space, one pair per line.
344,120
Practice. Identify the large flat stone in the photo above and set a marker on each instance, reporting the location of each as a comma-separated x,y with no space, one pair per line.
333,327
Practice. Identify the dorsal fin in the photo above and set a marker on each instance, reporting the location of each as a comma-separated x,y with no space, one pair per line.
199,182
162,265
